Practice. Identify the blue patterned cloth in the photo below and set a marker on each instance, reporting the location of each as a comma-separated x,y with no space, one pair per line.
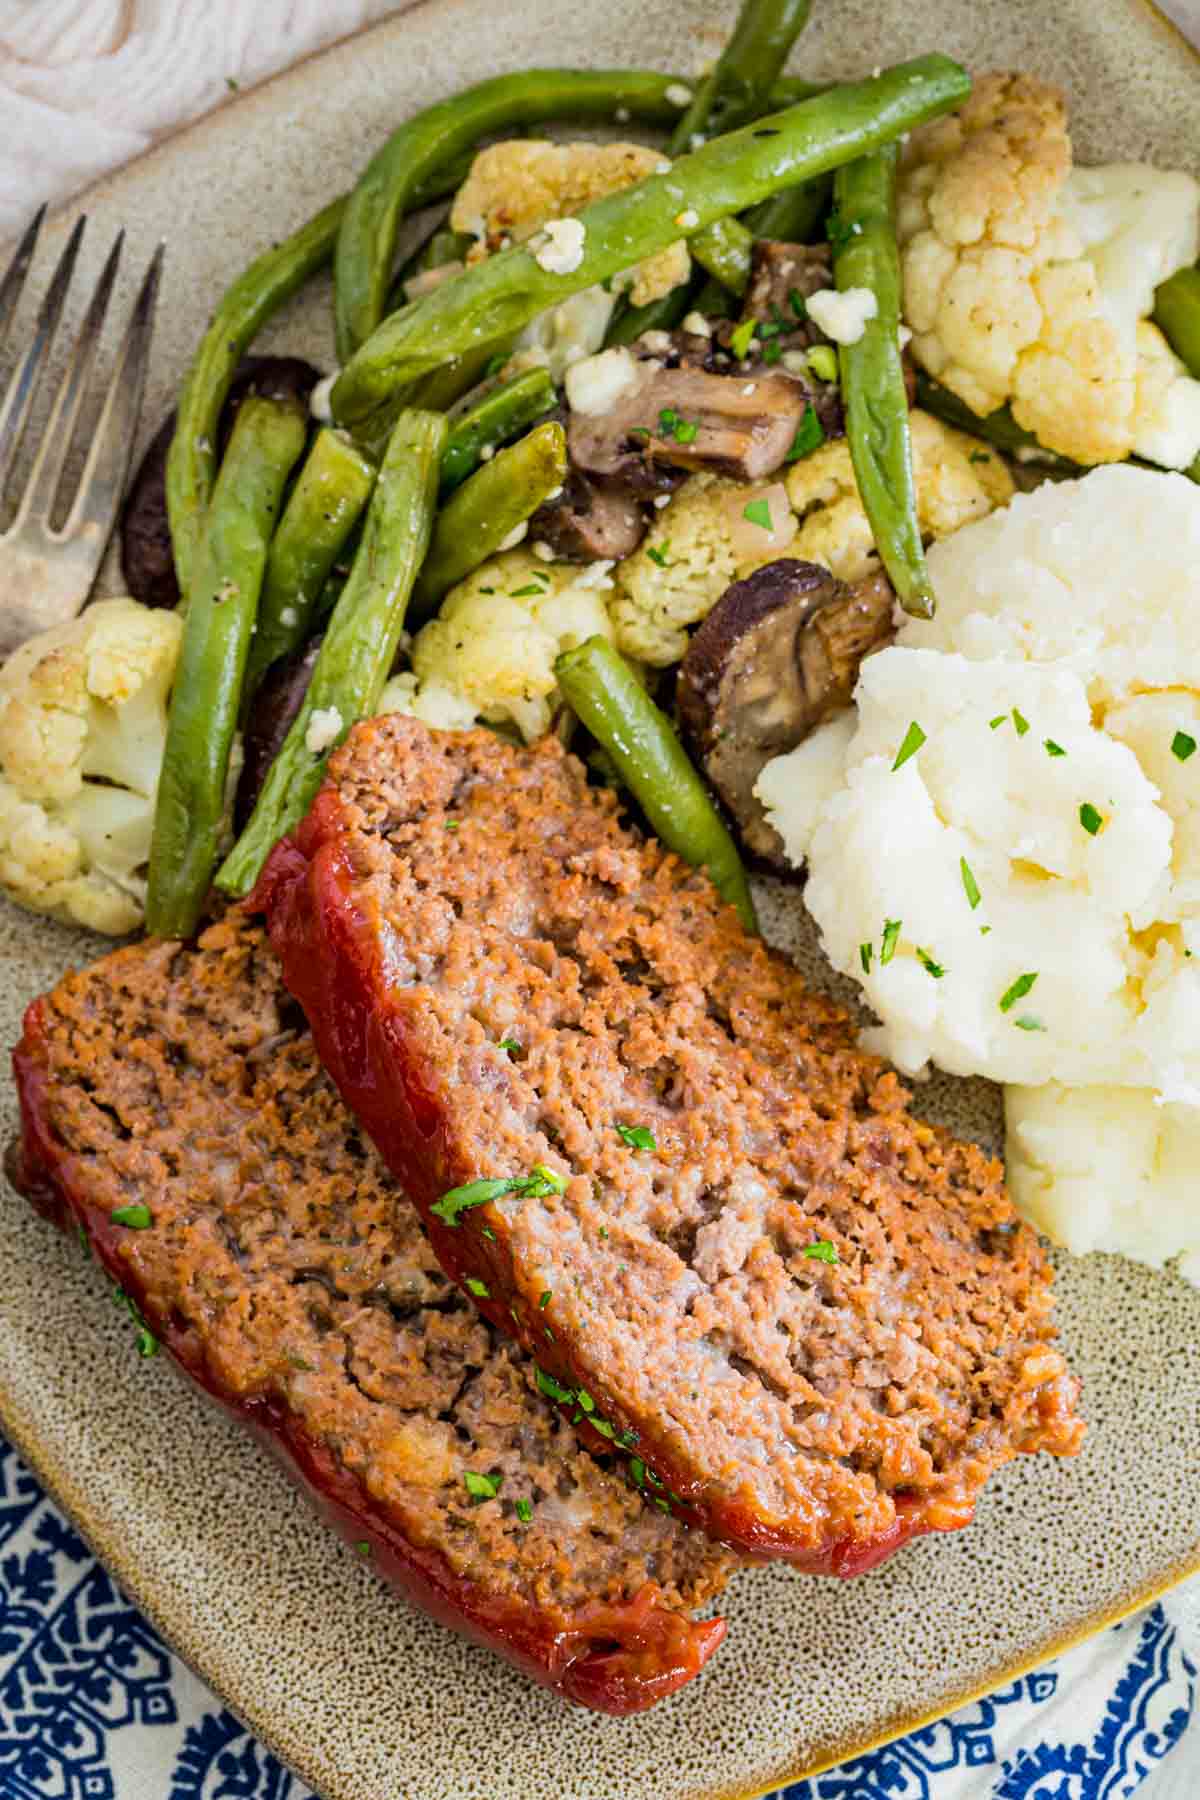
93,1706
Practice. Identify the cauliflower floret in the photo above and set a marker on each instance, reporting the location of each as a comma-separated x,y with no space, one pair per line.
696,546
82,730
516,186
490,652
1107,1168
1024,281
430,701
957,479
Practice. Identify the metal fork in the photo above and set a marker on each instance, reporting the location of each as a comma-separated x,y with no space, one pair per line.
46,573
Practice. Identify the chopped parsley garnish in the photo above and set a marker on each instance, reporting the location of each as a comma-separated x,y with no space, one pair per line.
480,1289
798,303
86,1241
531,588
147,1343
603,1427
1051,748
1020,721
363,1547
137,1217
810,435
487,1232
1028,1022
839,231
891,937
511,1045
771,354
914,737
758,512
1183,746
660,556
671,425
1090,819
970,885
536,1186
822,360
865,953
997,721
686,432
546,1298
552,1389
495,363
481,1487
637,1471
585,1400
524,1511
927,963
979,456
642,433
627,1438
638,1137
770,331
1017,991
742,338
652,1478
821,1251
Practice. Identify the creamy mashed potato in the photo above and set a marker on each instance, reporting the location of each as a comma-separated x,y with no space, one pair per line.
1004,844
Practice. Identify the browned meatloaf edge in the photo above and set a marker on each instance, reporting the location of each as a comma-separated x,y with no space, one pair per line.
270,1252
706,1212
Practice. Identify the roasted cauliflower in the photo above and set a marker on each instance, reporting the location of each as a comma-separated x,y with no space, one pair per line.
1031,283
490,652
83,718
515,187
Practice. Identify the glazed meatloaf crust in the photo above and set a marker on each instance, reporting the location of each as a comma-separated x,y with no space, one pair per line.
283,1270
692,1198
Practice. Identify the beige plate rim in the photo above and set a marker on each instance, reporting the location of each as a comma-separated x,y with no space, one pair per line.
87,1520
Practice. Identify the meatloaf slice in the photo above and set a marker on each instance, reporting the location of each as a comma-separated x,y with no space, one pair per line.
287,1275
818,1314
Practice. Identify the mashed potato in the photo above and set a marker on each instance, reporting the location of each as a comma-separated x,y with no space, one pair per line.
1004,845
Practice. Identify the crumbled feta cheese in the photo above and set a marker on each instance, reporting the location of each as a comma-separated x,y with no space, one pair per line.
842,316
318,403
697,140
795,361
679,95
542,551
597,383
324,729
561,249
622,115
903,336
661,500
688,219
657,341
697,325
288,616
487,453
596,575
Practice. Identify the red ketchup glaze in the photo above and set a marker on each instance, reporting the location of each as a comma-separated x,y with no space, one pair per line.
617,1659
331,956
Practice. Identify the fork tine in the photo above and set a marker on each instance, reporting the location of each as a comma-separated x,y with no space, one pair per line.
14,411
18,268
37,502
103,480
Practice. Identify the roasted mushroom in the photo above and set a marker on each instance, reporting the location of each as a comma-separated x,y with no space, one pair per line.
777,655
146,559
590,520
272,714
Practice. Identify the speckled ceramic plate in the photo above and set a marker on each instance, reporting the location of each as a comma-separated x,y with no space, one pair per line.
362,1696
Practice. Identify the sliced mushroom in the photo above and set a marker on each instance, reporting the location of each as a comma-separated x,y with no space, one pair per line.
778,655
272,714
146,559
781,275
590,520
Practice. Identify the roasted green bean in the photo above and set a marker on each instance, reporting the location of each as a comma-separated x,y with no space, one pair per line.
491,302
865,256
737,88
367,241
604,693
323,508
724,252
1177,315
360,644
484,512
268,437
795,215
492,421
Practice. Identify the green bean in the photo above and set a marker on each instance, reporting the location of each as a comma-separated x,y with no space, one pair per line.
243,310
323,508
367,242
873,392
664,314
487,509
492,301
360,643
724,251
794,216
736,89
604,693
1177,315
268,437
500,415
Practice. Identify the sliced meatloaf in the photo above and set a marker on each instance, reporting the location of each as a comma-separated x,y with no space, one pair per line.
658,1159
270,1252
